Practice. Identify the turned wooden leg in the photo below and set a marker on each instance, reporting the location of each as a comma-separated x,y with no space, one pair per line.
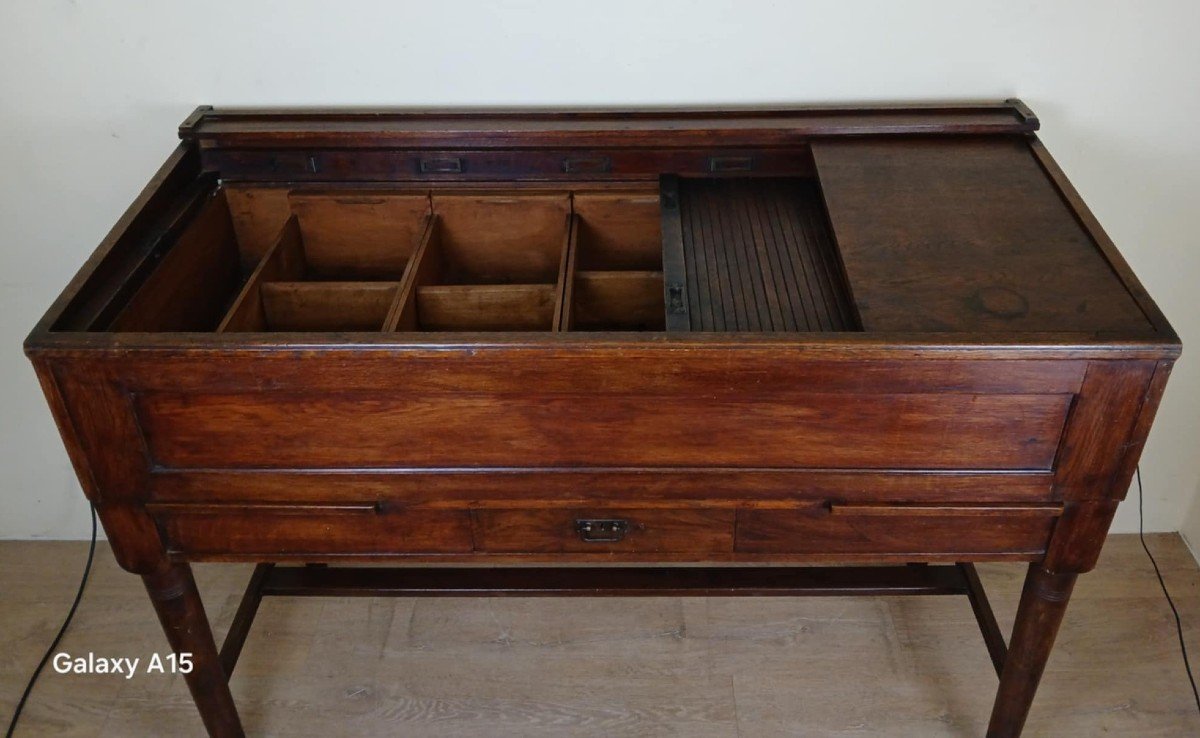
173,592
1043,602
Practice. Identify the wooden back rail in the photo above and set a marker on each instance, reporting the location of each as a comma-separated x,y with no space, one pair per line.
754,343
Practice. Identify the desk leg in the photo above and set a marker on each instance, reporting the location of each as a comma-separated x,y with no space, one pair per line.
1043,602
173,592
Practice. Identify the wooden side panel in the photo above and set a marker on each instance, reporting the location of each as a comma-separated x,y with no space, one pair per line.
359,235
502,239
619,230
268,429
1101,428
965,235
194,283
257,213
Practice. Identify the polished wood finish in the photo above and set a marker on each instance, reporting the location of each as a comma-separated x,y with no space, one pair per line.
1043,603
879,335
997,249
177,602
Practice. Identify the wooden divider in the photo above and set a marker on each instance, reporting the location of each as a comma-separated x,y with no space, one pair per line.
477,262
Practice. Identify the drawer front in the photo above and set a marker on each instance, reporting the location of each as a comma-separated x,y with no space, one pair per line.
377,430
299,530
897,530
603,530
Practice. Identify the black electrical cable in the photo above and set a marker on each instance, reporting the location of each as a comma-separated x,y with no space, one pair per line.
87,570
1178,623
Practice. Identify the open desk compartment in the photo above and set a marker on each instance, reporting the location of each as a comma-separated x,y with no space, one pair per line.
704,254
615,279
336,265
490,262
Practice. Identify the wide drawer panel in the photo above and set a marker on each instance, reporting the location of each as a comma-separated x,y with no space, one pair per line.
369,430
886,529
604,530
298,530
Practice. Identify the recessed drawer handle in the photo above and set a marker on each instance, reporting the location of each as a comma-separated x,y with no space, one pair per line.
601,531
445,165
587,165
718,164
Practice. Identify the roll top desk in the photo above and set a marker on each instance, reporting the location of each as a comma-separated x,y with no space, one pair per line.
683,352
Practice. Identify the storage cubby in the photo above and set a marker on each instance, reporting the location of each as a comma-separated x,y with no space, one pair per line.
491,262
337,264
616,277
454,259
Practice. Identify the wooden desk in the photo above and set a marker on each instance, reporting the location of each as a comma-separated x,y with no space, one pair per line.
758,342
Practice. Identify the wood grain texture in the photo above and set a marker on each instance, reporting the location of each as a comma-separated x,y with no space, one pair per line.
619,230
296,534
353,431
194,282
993,409
501,238
360,235
759,258
327,306
814,529
618,301
257,213
965,235
486,307
650,530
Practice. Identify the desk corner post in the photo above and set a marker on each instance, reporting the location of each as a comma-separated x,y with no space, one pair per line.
173,592
1043,603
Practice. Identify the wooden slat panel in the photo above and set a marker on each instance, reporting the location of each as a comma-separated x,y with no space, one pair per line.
759,257
824,431
965,235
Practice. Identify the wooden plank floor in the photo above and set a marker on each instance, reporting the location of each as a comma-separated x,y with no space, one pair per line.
635,667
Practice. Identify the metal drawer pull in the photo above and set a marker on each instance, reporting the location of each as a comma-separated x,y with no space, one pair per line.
601,531
718,164
441,166
587,165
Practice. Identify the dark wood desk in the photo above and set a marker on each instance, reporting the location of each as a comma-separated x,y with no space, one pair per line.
758,342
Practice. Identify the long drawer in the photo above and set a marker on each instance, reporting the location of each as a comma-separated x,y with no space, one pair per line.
697,531
968,530
282,530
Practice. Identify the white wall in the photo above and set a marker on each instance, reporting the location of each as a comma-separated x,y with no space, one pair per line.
91,92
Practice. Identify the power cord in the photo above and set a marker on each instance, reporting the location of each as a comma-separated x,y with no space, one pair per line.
1175,611
87,570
